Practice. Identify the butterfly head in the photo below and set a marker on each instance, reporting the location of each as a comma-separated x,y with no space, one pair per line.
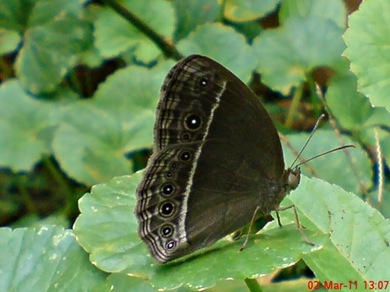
292,177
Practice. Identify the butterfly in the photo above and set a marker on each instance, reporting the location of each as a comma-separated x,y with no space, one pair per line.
217,161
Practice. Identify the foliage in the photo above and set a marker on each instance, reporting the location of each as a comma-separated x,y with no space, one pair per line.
79,86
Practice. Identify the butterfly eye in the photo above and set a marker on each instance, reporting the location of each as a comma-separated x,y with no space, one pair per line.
192,122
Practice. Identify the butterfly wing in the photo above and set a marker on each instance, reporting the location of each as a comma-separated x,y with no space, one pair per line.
217,157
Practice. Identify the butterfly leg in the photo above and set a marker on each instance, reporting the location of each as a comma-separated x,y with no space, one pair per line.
299,226
250,228
278,217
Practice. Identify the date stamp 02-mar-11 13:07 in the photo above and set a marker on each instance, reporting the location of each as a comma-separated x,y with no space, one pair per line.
352,285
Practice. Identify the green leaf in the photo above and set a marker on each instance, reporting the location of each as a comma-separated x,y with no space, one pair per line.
44,259
329,265
247,10
274,248
92,142
286,54
326,9
359,235
33,220
368,48
249,29
53,39
115,35
226,43
122,282
14,15
351,108
26,126
354,111
107,228
9,41
190,14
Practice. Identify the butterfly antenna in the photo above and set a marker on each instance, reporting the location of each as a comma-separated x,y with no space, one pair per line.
307,142
326,152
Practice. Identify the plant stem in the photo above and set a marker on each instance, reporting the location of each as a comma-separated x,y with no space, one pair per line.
294,106
313,94
53,170
168,49
221,14
253,285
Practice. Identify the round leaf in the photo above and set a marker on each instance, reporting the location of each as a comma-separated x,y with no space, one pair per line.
286,54
96,135
226,45
26,126
247,10
368,48
107,229
44,259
